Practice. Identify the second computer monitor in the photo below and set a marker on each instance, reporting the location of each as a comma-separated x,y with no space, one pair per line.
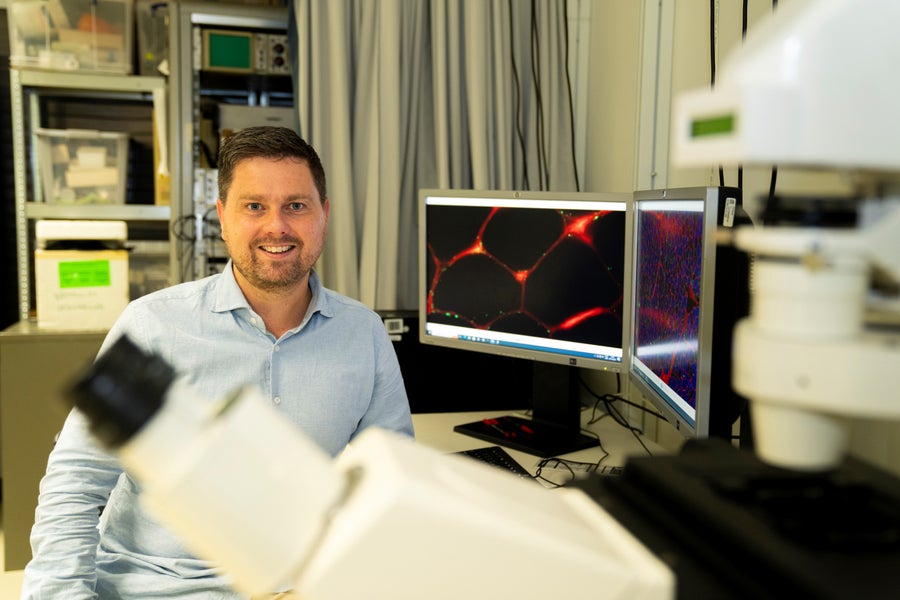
688,294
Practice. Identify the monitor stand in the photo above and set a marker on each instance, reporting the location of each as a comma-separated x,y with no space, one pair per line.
555,425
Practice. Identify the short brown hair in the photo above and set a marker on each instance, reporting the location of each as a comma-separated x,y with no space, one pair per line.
267,142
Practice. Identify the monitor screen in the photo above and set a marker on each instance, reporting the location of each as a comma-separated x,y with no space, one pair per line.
534,275
688,293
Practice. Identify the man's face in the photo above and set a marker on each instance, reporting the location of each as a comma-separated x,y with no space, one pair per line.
273,222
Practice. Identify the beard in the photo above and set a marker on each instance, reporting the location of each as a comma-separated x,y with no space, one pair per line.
273,276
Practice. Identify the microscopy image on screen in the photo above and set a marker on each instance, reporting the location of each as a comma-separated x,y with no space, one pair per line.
542,272
667,294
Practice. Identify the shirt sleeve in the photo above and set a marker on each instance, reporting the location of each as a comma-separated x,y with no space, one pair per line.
76,486
389,406
65,534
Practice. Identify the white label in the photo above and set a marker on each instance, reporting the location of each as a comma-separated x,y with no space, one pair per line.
728,217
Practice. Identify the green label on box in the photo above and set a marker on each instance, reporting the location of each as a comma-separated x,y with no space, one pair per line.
84,273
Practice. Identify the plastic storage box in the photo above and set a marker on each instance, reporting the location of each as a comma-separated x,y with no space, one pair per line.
70,35
82,166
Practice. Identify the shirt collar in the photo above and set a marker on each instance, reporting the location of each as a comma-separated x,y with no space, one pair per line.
230,297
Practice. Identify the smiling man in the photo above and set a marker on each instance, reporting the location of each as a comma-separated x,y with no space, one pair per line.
324,360
273,209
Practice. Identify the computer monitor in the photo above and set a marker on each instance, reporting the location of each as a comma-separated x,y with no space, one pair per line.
689,292
538,276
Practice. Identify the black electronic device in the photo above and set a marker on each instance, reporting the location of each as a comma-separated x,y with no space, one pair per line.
439,379
497,457
732,526
245,51
539,276
689,290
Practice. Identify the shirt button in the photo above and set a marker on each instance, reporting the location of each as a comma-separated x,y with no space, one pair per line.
277,348
253,320
277,399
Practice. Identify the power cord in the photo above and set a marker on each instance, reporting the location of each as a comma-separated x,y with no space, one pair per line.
608,402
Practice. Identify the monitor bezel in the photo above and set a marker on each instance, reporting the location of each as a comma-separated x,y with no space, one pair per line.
622,200
699,426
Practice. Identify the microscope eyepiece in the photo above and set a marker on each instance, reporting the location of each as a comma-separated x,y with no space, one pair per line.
121,391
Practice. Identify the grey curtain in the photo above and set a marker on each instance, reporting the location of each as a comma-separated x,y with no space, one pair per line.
399,95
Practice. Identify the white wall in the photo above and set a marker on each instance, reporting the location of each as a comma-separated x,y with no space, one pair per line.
613,96
643,53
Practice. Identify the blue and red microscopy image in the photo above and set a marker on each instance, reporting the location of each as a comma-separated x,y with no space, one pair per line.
667,293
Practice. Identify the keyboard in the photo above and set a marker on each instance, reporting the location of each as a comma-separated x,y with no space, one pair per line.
497,457
609,470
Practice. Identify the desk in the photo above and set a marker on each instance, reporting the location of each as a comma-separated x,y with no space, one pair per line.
436,430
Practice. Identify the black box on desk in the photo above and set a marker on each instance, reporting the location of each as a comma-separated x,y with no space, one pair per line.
441,379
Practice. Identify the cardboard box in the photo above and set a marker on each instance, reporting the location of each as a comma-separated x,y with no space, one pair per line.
80,290
82,166
71,35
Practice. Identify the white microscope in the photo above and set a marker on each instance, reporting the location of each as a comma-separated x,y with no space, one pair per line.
813,88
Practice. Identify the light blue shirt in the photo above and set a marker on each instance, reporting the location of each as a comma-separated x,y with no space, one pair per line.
333,375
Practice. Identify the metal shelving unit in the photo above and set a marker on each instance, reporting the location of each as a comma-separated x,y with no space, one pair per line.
26,88
194,233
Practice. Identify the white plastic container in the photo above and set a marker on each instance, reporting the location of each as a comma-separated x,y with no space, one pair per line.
82,166
72,35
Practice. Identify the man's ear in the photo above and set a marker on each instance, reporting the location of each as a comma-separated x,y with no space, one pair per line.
219,208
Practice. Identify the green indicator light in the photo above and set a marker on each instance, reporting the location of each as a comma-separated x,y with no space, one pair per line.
712,126
85,273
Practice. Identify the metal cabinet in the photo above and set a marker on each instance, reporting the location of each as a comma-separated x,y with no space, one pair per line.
35,366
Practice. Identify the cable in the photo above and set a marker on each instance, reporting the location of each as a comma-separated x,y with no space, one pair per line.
575,467
518,92
207,154
177,232
615,398
572,466
634,430
743,37
543,172
543,175
772,184
774,168
744,20
538,474
611,411
565,9
713,44
211,226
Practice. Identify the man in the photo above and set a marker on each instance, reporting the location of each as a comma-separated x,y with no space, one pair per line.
324,360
